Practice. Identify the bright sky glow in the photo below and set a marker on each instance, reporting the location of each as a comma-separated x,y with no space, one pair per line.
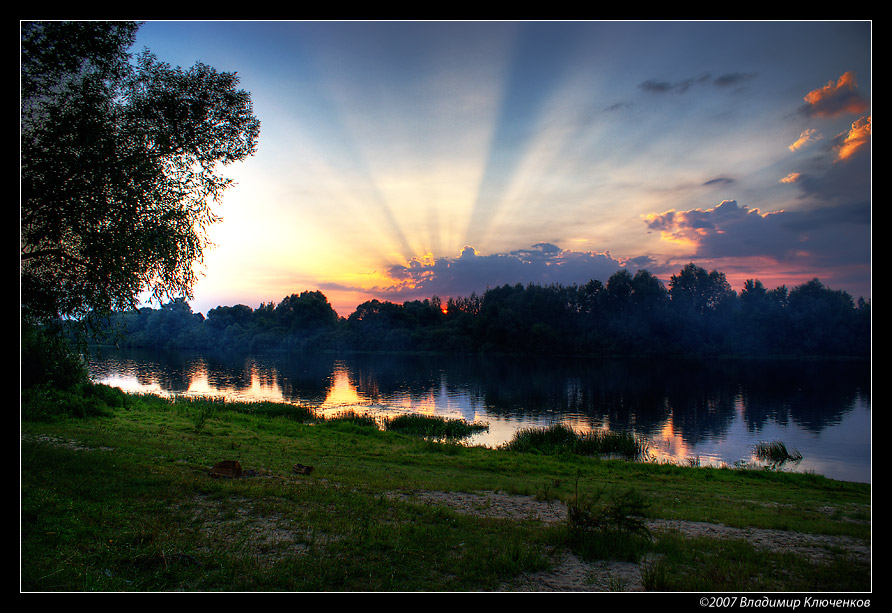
411,159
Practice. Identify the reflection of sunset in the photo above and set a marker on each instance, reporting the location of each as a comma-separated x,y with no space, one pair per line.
669,446
342,392
264,387
587,400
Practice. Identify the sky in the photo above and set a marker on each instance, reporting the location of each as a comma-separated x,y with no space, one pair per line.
405,160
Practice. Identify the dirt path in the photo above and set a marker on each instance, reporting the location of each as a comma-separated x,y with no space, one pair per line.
572,574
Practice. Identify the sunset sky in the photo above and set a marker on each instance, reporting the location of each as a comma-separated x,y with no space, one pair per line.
410,159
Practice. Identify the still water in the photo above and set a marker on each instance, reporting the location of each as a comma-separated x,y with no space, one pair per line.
711,412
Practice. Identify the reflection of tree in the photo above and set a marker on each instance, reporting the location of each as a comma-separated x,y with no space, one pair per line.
812,394
702,398
303,377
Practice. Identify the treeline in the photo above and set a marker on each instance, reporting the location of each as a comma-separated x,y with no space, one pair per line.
696,314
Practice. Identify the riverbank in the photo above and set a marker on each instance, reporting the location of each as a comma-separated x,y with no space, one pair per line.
121,496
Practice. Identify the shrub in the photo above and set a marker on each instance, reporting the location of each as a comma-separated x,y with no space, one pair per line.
49,359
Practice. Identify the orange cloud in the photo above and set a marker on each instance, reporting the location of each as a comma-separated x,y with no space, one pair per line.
857,137
807,136
836,98
791,178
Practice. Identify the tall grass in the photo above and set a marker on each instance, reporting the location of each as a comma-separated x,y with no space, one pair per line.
433,427
559,438
775,453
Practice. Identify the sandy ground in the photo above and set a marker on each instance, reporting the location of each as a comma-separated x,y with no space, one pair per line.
570,574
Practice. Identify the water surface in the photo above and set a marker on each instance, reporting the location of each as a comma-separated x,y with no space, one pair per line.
708,412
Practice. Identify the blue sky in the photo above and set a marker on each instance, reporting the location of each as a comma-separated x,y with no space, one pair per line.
403,160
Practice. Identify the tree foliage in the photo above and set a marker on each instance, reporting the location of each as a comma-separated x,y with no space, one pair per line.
119,168
630,315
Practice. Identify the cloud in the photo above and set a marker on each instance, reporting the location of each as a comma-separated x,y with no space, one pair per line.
543,264
826,236
842,174
734,78
697,228
835,98
855,139
720,181
655,86
808,136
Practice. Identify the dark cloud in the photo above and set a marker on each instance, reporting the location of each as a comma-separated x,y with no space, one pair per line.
827,179
734,78
655,86
819,237
665,87
720,181
619,106
835,98
542,263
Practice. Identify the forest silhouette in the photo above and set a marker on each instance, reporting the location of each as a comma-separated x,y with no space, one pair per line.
696,313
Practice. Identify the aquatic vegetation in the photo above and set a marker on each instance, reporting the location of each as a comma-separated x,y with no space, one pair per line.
775,453
558,438
433,427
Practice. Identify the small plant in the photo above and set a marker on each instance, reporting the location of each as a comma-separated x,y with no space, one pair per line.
617,511
608,525
775,453
654,575
200,409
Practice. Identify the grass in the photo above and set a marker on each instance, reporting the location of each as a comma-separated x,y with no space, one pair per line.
560,438
433,427
775,453
116,496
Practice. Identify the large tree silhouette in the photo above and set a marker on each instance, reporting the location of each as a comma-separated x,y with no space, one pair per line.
119,168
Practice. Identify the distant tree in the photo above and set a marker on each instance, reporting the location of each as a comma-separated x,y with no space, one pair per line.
825,321
222,317
648,292
308,311
700,291
118,168
619,290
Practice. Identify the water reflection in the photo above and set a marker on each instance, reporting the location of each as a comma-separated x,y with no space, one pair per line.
714,410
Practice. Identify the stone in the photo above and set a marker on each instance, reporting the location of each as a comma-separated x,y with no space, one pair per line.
300,469
229,469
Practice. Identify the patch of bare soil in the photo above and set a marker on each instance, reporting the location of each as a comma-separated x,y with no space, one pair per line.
570,574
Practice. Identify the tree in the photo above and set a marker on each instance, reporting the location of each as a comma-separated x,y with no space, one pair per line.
701,292
310,311
119,168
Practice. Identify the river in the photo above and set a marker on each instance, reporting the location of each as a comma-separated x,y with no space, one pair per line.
709,412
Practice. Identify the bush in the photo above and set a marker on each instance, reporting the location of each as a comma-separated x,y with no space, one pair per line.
45,403
608,525
49,359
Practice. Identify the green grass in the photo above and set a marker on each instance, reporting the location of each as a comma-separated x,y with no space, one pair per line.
433,427
560,438
117,497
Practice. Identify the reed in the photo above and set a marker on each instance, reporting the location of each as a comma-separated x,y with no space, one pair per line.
433,427
560,438
775,453
357,419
